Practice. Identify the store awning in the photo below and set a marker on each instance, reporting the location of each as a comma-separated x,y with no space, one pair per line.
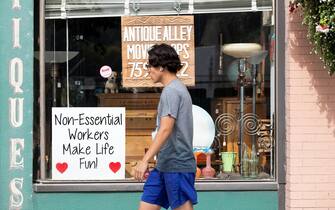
62,9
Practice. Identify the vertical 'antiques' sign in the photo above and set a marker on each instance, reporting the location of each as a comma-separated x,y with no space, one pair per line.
139,33
16,91
88,143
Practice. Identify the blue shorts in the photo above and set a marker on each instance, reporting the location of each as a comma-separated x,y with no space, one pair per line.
169,189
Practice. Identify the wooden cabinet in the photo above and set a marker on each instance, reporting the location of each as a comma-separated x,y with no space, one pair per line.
141,112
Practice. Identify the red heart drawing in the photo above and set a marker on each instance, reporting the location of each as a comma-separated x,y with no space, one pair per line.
61,167
114,166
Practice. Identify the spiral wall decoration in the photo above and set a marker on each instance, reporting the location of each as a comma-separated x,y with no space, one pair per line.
250,123
225,124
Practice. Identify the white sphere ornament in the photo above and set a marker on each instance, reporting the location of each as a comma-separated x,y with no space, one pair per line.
203,128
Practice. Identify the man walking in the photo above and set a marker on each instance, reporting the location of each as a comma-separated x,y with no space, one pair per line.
171,183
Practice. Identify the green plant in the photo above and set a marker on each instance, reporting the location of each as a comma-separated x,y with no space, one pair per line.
319,16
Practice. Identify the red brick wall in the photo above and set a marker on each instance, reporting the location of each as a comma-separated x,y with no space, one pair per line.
310,123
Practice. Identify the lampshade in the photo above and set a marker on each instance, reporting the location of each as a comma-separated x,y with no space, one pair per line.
56,56
241,50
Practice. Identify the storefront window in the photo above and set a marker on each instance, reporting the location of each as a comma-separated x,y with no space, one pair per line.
236,91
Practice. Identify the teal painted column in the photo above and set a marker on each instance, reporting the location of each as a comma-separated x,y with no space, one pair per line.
16,103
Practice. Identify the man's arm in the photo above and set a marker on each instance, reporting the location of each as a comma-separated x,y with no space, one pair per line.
166,127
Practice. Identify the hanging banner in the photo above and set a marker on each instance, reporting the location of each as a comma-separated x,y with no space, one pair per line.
139,33
88,143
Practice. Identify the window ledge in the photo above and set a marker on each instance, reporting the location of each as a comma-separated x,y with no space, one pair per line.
132,186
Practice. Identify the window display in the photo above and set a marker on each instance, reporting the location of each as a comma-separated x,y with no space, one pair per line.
232,91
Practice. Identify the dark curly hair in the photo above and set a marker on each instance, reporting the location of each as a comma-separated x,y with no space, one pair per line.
165,56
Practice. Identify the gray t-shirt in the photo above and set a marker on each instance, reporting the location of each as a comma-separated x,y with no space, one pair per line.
176,155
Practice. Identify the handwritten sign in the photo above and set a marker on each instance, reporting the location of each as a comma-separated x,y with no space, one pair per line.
88,143
141,32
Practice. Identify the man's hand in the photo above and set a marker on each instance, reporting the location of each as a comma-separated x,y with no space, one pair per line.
140,169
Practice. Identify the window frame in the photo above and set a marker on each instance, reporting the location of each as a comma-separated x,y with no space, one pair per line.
58,9
278,184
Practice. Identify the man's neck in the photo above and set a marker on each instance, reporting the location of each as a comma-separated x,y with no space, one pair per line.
168,78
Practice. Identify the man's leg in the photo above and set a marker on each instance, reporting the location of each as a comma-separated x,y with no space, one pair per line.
186,206
154,194
180,190
148,206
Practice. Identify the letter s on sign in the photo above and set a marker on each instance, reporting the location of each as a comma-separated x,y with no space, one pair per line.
16,196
